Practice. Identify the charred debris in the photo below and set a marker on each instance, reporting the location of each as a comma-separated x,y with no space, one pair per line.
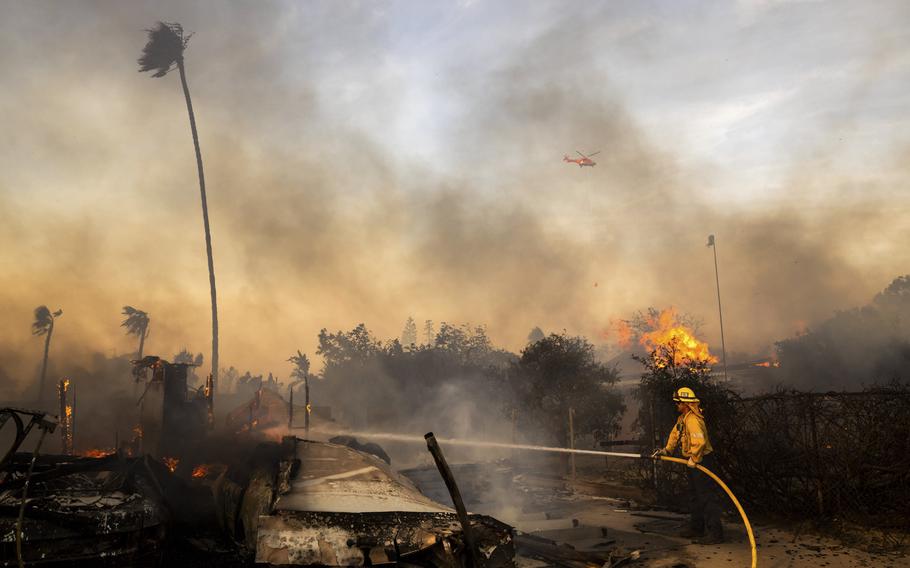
178,493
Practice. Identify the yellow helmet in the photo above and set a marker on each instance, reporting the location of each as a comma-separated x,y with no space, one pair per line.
685,394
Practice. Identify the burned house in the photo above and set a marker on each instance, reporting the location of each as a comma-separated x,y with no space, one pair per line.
172,418
296,502
316,503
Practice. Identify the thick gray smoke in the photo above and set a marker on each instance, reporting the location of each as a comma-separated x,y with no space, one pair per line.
337,198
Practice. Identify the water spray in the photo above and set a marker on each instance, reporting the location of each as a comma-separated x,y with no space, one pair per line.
552,449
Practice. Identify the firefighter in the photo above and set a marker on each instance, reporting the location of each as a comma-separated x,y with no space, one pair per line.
691,435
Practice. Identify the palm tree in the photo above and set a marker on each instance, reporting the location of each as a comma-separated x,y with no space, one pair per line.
162,53
136,323
301,372
44,325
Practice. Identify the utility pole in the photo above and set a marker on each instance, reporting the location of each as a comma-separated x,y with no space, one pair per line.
713,244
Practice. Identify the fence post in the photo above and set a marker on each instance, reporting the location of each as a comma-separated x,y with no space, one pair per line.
653,438
819,490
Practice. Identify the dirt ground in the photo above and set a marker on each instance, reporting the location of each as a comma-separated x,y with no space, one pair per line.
589,522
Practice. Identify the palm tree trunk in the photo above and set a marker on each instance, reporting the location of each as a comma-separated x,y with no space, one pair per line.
142,341
47,346
205,221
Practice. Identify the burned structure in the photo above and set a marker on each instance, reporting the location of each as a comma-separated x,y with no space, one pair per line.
316,503
78,509
172,419
294,502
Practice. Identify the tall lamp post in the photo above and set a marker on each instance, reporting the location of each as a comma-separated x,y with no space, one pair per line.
723,346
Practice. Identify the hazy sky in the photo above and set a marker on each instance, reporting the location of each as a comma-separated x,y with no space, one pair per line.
367,161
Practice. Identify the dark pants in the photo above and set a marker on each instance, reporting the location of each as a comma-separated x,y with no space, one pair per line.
703,502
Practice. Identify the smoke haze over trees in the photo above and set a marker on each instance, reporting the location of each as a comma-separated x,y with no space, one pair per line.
459,204
557,373
462,385
856,347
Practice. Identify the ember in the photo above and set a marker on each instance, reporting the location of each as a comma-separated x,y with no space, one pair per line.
66,415
201,470
171,463
96,453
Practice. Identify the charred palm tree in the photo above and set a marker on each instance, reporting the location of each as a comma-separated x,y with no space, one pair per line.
136,323
163,53
44,325
301,372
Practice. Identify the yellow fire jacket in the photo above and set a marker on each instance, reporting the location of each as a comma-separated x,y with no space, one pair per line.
690,433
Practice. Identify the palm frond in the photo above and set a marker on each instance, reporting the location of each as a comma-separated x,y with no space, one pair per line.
43,320
164,48
301,363
136,321
184,357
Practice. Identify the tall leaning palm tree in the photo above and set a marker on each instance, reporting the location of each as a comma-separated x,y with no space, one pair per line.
136,323
163,53
44,325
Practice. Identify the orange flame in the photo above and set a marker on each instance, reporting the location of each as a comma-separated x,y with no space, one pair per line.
171,463
623,331
201,470
670,339
96,453
768,364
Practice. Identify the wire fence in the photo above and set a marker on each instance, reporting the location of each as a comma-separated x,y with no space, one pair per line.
825,456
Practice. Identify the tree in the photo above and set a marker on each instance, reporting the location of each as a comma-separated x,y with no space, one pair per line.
560,372
301,366
428,332
163,52
44,325
185,357
409,333
647,320
864,345
464,344
136,323
229,378
300,373
340,349
536,335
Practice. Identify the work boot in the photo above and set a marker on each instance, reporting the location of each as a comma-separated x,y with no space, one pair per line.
709,539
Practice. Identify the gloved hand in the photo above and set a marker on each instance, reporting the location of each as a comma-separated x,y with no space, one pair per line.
691,463
659,452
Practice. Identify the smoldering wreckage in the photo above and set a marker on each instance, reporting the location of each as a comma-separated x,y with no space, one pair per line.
177,493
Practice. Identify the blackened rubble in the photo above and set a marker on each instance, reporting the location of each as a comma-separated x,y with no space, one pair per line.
84,509
332,505
182,494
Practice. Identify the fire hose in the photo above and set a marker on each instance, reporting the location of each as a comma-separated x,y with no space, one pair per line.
713,476
733,498
706,471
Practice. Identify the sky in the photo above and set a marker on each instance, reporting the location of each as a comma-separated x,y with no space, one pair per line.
370,161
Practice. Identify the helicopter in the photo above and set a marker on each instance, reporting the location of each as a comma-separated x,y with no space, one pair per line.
583,161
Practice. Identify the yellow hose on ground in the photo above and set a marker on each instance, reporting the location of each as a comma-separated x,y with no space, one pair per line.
732,498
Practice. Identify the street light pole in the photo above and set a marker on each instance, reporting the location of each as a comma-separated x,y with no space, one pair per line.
712,243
